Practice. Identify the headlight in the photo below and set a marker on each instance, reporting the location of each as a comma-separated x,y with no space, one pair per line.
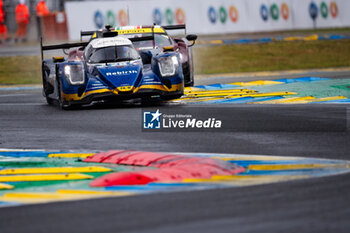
168,66
181,56
75,74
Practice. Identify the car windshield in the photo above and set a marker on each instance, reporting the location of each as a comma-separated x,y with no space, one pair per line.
113,54
161,40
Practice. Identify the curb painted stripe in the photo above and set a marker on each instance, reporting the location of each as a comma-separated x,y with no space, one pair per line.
70,155
48,170
92,192
23,178
259,167
6,186
314,37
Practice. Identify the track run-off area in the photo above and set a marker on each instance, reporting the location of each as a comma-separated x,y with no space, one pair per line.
283,164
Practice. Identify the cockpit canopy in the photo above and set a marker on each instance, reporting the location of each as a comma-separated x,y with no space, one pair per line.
116,49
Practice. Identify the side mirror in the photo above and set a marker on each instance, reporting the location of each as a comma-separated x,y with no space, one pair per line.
193,38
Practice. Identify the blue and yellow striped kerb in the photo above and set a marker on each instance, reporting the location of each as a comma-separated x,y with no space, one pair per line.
313,37
304,90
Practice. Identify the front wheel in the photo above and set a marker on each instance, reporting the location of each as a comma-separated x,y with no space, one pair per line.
50,101
171,97
61,103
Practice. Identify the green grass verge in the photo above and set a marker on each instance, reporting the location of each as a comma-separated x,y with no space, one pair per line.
20,70
220,59
271,56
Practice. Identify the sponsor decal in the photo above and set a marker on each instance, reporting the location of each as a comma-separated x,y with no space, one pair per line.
123,18
152,120
180,16
157,16
333,8
98,19
222,14
123,72
325,10
264,12
313,10
285,11
212,15
171,121
233,14
111,18
168,16
274,12
139,30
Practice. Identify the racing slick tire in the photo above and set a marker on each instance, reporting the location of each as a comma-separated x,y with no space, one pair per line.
50,101
171,97
61,103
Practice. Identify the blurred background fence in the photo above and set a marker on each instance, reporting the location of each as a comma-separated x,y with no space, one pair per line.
69,17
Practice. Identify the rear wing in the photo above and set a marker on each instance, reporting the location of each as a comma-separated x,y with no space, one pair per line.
167,28
115,33
60,46
86,33
175,27
143,38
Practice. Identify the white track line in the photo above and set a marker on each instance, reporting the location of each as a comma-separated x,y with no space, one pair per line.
20,104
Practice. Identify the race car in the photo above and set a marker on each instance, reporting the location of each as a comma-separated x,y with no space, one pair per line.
110,68
161,40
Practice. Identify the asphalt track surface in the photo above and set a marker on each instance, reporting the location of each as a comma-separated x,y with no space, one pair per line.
311,205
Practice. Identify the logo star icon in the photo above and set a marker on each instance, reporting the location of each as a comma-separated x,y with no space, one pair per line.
156,115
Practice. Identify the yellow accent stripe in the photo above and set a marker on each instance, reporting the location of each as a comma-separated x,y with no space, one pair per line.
140,30
328,99
287,100
213,94
48,170
251,177
6,186
39,197
175,87
216,42
297,38
246,95
257,157
201,91
256,83
295,166
71,155
72,97
242,180
297,99
92,192
60,195
23,178
187,89
197,180
272,73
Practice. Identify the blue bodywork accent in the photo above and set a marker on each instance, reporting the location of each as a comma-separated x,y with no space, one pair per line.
131,74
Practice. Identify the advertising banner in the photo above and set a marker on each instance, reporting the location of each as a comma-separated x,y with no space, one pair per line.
209,16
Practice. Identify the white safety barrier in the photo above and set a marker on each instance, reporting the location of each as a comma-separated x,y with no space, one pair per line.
209,16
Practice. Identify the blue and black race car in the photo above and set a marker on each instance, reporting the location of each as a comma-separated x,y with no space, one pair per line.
109,68
162,39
